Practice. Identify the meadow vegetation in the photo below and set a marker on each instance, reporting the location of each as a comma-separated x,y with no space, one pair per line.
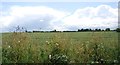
60,47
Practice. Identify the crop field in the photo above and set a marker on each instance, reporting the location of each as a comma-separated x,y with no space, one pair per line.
60,47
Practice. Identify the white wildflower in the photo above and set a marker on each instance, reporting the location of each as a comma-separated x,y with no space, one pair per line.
50,56
57,44
92,62
8,46
115,61
63,55
19,41
96,62
101,59
102,46
47,42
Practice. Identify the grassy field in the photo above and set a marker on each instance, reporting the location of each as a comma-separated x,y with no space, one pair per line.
60,47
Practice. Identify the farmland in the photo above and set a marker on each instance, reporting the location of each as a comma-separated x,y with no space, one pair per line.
60,47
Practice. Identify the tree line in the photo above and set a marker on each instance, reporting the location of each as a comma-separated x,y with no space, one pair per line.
23,29
107,29
85,30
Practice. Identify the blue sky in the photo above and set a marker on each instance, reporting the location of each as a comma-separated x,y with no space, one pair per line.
59,15
59,0
59,5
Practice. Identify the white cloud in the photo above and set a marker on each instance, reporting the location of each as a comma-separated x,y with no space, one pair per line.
46,18
33,17
102,16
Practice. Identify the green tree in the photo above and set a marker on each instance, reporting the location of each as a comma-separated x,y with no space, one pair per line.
107,29
118,29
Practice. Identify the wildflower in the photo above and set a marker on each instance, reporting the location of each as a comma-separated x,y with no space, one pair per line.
64,56
47,42
92,62
96,62
8,46
102,46
19,41
57,44
101,59
115,61
72,61
49,56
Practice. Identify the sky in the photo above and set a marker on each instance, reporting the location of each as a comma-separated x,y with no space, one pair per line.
58,15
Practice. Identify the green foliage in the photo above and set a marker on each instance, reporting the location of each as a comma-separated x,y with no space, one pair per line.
118,29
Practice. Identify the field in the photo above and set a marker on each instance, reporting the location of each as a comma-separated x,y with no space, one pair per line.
60,47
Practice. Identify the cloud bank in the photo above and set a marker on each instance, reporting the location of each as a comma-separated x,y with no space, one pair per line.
46,18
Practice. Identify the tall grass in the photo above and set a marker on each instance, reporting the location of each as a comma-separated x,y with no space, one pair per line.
15,48
59,48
